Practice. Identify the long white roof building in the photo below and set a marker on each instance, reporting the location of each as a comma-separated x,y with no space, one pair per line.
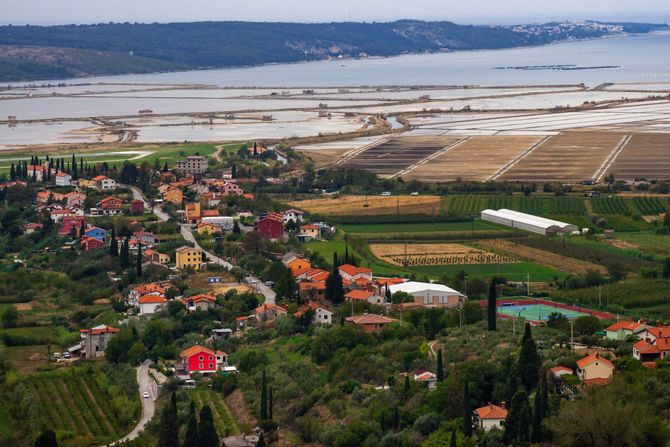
528,222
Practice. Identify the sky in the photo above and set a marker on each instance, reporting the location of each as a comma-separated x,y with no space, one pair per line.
50,12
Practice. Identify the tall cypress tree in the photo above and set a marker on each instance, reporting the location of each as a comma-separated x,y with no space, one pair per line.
46,439
125,254
526,333
334,287
528,367
270,415
207,432
536,428
192,438
517,424
264,399
491,309
114,245
440,367
233,171
168,434
138,265
346,254
12,172
467,414
396,419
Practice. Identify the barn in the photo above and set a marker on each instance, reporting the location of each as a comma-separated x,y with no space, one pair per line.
528,222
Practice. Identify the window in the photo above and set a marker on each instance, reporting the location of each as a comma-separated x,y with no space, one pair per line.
201,366
201,358
427,300
442,299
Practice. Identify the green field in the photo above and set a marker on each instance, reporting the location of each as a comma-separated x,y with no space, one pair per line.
658,244
427,227
512,272
224,421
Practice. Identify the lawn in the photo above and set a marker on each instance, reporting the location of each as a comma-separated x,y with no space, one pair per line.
512,272
427,227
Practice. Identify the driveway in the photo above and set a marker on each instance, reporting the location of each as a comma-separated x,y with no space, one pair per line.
148,405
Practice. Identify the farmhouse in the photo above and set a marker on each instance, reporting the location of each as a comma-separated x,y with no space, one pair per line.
201,301
155,257
111,206
353,274
63,179
430,295
104,183
528,222
269,312
91,243
490,417
365,295
297,265
94,341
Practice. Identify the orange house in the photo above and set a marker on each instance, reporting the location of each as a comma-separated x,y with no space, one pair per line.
173,195
298,266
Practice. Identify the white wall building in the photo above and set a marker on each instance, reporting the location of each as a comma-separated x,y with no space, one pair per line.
429,294
527,222
63,179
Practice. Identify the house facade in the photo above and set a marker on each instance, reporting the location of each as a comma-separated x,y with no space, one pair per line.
192,165
621,330
188,257
430,295
369,323
270,227
94,341
151,304
322,315
490,417
203,360
593,366
104,183
63,179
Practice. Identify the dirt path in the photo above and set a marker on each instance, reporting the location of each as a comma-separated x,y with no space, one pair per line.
238,408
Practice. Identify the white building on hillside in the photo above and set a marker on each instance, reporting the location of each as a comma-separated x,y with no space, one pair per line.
527,222
430,295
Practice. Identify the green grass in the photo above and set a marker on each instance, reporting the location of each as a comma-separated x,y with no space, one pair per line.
540,205
657,244
477,225
512,272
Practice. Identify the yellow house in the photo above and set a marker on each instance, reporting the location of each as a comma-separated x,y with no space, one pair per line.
188,257
208,228
156,257
173,195
83,183
594,367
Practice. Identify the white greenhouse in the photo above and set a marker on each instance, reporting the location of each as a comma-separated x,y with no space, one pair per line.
528,222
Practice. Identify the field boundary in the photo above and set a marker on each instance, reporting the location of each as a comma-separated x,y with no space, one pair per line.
609,161
429,158
516,160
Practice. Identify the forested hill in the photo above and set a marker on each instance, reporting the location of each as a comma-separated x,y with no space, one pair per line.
35,52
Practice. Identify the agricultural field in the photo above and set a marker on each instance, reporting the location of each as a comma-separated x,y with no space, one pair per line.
370,205
411,255
568,157
657,244
549,259
646,155
540,205
426,227
224,421
476,159
518,271
397,154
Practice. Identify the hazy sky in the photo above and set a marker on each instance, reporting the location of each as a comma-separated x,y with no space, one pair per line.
466,11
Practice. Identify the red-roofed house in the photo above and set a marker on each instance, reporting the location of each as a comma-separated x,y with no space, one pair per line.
74,198
649,352
270,227
354,274
104,183
322,315
593,366
490,417
71,224
94,341
650,334
269,312
201,301
91,243
199,359
63,179
111,206
623,329
560,371
312,290
151,304
297,265
365,295
370,323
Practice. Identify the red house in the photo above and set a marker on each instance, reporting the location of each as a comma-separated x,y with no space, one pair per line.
91,243
137,207
199,359
70,222
270,226
111,203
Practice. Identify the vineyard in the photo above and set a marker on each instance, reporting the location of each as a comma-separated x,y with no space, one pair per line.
223,418
650,205
474,204
436,254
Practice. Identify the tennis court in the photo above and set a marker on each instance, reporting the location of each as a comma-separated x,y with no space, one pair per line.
537,312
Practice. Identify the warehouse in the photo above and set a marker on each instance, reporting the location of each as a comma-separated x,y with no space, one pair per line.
528,222
430,295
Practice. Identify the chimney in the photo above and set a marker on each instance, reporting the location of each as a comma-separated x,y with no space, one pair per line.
504,404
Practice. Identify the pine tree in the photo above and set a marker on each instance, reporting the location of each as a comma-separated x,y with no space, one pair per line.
207,436
192,431
114,245
528,367
491,309
467,415
138,266
46,439
440,368
168,431
452,441
264,399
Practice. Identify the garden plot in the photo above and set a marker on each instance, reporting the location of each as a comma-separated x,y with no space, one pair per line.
411,255
398,154
568,157
644,156
476,159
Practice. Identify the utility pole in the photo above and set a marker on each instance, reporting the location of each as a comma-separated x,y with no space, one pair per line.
572,333
513,325
600,294
528,283
466,285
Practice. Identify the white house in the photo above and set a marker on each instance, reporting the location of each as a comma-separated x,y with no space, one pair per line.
104,183
430,295
63,179
322,315
490,417
151,304
294,215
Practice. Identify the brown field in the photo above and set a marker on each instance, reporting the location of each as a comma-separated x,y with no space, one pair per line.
569,157
376,205
644,156
542,257
324,157
397,154
435,254
476,159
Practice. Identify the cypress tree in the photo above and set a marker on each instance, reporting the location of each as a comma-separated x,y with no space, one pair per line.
46,439
261,441
406,387
334,287
440,368
168,434
74,168
536,429
207,432
270,415
139,260
396,419
82,229
491,309
34,179
467,415
529,364
452,442
382,421
233,171
81,164
346,254
336,261
192,431
125,254
544,389
165,167
388,294
517,423
12,172
114,245
526,333
264,399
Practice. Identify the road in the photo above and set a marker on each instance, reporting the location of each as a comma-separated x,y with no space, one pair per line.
146,384
139,195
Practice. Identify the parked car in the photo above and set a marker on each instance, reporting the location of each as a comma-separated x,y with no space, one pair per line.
414,194
270,283
66,355
56,355
386,193
145,395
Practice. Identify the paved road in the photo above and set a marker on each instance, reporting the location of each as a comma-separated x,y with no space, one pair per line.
146,384
139,195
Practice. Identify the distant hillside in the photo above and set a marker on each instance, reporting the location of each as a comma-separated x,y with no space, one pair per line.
34,52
